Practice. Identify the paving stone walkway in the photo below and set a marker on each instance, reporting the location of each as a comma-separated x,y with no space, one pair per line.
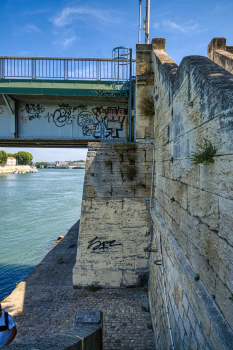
45,302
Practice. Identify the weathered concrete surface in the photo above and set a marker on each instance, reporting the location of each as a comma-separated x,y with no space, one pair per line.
115,222
193,204
45,303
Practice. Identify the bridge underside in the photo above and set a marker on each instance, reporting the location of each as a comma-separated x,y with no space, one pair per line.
41,143
61,113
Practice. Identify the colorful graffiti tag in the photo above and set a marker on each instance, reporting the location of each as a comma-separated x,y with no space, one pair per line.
103,122
24,119
98,122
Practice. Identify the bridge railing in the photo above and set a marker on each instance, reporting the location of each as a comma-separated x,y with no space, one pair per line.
65,68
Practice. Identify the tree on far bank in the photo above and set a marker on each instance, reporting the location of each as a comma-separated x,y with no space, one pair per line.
23,158
41,163
3,157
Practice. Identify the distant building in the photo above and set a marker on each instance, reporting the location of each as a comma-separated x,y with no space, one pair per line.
60,163
11,161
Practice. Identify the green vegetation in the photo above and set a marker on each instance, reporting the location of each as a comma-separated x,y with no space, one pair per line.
197,277
131,172
172,199
92,288
231,298
149,326
147,106
206,156
3,157
23,158
146,309
122,175
108,162
37,164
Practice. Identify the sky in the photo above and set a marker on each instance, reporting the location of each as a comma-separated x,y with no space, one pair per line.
58,28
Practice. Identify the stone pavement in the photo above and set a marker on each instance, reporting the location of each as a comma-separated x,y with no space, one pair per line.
45,302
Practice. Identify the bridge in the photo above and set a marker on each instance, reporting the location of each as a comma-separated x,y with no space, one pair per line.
66,102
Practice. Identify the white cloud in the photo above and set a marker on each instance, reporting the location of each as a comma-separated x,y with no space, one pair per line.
217,8
69,41
65,39
69,15
187,27
156,25
29,28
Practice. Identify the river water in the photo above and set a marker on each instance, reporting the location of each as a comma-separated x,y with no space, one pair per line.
34,210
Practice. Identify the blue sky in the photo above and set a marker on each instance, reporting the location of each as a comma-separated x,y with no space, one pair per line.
58,28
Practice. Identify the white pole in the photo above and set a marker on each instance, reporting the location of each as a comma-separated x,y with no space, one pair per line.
147,22
140,16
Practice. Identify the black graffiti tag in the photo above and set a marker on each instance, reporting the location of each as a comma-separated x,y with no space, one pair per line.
33,110
61,116
98,245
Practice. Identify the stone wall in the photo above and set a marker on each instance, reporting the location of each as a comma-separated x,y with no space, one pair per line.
193,203
115,224
221,54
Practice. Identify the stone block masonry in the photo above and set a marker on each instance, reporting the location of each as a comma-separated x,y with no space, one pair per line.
115,224
193,203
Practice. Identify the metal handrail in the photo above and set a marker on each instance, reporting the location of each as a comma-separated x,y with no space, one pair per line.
60,68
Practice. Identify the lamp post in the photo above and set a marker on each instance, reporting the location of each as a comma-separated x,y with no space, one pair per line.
146,22
140,16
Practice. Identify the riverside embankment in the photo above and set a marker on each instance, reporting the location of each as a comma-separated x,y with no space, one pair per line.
9,169
45,302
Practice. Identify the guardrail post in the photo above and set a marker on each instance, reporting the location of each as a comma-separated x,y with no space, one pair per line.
130,96
2,61
33,68
65,69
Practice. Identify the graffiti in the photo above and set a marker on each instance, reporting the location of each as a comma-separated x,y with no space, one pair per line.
113,120
106,121
102,121
1,110
61,116
33,110
101,93
87,121
24,119
94,123
96,244
83,107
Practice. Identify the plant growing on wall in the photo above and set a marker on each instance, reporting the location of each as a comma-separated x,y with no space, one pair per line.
141,183
205,155
128,149
108,162
147,106
131,172
119,150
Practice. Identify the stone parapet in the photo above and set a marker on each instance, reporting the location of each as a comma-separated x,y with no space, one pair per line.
221,54
193,102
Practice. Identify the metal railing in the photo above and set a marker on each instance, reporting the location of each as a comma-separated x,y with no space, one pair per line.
62,68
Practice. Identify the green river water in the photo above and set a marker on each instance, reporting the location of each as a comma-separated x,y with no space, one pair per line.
34,210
